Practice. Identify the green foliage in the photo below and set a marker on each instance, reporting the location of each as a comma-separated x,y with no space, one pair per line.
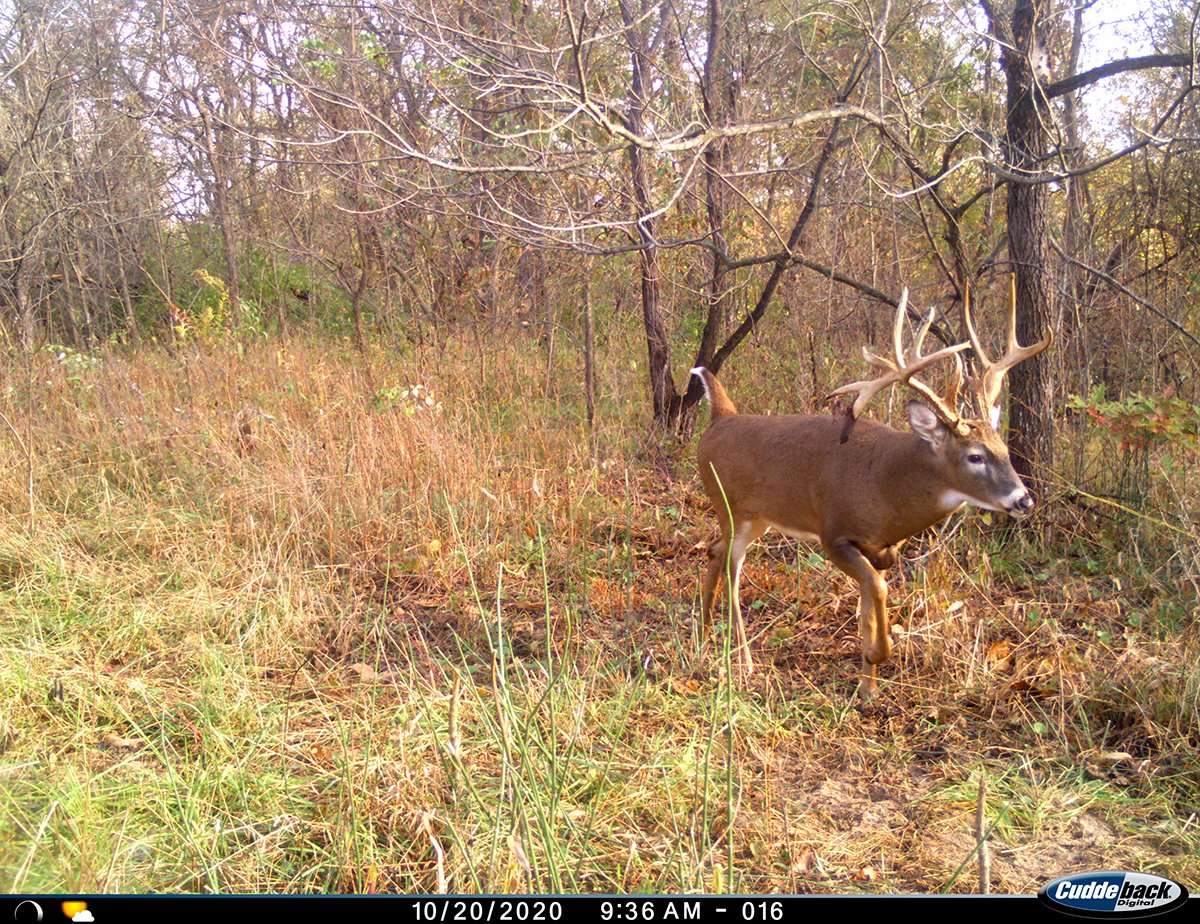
409,400
75,364
373,49
320,56
1143,421
208,314
271,285
270,290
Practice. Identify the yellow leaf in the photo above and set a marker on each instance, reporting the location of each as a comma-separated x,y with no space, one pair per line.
364,672
999,656
117,743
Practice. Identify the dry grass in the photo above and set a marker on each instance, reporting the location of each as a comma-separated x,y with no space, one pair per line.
281,626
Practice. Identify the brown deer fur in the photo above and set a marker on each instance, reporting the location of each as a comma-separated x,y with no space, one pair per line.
859,490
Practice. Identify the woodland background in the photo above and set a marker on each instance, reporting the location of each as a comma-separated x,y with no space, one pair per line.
351,534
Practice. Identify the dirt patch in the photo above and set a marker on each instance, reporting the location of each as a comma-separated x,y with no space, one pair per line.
1022,866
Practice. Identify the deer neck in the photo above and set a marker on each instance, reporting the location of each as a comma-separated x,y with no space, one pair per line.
915,478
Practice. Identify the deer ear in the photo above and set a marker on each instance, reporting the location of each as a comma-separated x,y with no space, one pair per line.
926,425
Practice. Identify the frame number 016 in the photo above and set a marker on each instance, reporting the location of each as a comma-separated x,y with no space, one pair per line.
631,911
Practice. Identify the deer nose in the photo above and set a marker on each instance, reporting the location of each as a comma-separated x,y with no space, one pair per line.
1024,503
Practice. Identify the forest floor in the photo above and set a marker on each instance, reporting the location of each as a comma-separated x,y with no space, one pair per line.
277,622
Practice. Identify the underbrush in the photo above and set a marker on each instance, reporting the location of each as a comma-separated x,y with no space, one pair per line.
290,618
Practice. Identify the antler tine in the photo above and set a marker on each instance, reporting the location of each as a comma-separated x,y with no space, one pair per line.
919,341
903,368
898,329
954,382
1012,313
994,372
943,409
915,362
868,388
969,324
866,391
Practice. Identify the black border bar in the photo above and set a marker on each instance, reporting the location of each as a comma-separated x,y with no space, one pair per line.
541,909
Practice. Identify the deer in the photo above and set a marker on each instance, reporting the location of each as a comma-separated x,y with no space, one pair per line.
858,487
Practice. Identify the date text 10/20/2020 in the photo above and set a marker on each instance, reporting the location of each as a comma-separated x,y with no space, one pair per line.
605,910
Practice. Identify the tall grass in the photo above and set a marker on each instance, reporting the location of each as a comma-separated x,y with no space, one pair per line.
285,622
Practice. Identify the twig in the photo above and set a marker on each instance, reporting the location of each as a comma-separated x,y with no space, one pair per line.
981,839
1124,290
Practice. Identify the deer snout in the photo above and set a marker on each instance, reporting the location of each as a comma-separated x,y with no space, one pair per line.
1020,504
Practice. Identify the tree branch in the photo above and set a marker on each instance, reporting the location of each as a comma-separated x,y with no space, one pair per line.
784,257
1140,63
1124,290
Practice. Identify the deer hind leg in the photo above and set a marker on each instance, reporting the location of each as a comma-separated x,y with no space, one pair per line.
872,611
730,551
712,577
718,551
743,535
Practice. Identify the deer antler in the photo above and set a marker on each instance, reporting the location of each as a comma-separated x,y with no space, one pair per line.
987,389
902,369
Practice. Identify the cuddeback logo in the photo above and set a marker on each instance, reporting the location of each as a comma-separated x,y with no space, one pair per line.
1113,894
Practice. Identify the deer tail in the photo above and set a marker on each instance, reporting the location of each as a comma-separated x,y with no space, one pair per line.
721,405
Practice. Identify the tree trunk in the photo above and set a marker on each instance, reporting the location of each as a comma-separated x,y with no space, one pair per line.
589,350
359,286
1072,359
662,385
1031,386
26,327
220,193
718,103
685,404
548,325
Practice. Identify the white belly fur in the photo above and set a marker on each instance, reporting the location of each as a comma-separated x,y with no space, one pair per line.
795,534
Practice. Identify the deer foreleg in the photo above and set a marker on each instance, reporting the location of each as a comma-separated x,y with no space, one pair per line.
872,610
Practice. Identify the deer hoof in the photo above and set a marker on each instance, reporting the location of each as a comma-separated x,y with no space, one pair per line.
868,690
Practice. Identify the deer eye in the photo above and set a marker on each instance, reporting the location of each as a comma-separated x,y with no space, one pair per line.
976,458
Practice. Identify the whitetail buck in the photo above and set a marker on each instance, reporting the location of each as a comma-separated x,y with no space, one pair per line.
858,487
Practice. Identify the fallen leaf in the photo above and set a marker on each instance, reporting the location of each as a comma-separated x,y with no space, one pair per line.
803,863
117,743
364,672
999,656
518,850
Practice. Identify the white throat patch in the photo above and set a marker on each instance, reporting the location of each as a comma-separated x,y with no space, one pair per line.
951,500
